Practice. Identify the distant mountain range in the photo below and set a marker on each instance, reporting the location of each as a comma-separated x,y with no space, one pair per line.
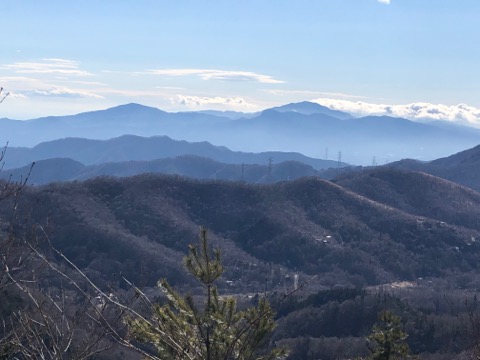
79,159
136,148
304,127
63,169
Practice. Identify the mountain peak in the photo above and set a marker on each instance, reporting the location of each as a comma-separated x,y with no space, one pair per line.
133,107
309,108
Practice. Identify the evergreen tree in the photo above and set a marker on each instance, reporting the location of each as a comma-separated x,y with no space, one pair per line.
388,338
179,330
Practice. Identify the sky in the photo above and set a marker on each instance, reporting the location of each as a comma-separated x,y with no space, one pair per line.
412,58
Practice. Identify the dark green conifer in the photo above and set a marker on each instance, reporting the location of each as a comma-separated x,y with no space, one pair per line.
179,330
388,339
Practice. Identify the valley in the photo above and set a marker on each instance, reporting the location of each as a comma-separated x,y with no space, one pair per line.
254,180
367,239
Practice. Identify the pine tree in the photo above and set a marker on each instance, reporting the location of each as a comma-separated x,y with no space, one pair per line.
179,330
388,338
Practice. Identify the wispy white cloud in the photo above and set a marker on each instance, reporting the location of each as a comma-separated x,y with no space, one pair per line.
61,92
416,111
47,66
223,75
176,88
16,95
18,85
88,83
26,87
17,79
131,93
387,2
309,93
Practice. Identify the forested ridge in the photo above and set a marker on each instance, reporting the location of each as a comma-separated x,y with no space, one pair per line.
308,225
362,248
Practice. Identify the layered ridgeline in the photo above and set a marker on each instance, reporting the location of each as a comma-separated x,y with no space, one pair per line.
462,168
141,227
136,148
79,159
304,127
64,169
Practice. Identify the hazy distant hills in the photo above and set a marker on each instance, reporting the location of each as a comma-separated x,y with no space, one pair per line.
79,159
141,226
305,127
136,148
63,169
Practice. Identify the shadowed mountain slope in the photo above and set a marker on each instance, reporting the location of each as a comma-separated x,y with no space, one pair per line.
142,226
462,168
417,193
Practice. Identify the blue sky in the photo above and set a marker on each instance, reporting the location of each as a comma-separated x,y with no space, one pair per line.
63,57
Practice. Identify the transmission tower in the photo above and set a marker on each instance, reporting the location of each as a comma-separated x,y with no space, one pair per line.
270,163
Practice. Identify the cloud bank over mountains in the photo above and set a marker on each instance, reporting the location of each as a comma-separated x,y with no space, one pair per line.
460,113
223,75
54,83
205,102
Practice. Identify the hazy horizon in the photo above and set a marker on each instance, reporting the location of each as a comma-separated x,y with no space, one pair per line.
411,59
